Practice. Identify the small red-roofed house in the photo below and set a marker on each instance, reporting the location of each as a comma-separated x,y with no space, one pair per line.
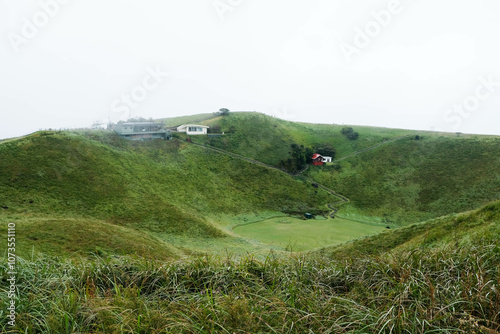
317,159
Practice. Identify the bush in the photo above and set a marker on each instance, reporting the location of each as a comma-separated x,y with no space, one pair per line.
349,133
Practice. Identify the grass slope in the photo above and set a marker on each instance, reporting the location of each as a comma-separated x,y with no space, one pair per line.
161,187
189,119
481,225
413,180
82,237
128,198
411,176
452,285
269,139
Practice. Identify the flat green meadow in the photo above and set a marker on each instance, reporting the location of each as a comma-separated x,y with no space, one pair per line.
302,235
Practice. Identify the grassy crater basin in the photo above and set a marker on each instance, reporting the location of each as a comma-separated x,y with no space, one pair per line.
302,235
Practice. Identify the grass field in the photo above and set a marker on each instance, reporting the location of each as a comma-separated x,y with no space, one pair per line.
302,235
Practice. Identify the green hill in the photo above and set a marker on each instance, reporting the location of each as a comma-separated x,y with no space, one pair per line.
109,232
410,180
82,237
188,196
269,139
390,176
189,119
164,188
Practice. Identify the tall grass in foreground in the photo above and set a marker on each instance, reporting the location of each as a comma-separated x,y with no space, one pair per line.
443,291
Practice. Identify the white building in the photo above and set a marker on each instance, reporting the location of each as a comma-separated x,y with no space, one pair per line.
193,129
327,159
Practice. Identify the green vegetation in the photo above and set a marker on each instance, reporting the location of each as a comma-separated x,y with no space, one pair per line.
77,237
410,180
392,176
350,133
115,236
447,288
300,235
270,140
159,187
445,232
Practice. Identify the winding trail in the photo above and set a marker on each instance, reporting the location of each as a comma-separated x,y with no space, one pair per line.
331,206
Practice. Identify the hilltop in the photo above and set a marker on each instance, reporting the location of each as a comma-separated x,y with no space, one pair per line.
269,139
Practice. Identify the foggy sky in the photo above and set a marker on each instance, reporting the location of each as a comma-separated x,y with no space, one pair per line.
415,64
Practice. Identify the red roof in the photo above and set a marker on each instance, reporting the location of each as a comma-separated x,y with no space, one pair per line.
315,156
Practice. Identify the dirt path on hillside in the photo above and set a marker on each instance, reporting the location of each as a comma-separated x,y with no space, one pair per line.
331,206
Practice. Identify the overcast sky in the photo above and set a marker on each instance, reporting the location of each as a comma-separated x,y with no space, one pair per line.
416,64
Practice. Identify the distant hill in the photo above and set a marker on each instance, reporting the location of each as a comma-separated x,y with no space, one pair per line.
269,139
188,119
412,180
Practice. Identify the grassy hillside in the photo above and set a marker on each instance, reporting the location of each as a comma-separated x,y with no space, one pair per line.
391,176
101,223
175,190
269,139
162,187
458,230
82,237
450,285
189,119
413,180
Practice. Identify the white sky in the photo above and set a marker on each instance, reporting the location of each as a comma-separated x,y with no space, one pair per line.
280,57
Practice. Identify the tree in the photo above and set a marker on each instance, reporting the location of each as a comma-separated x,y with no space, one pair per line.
300,156
224,111
349,133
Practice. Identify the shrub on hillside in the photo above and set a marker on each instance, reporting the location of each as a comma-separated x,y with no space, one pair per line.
349,133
